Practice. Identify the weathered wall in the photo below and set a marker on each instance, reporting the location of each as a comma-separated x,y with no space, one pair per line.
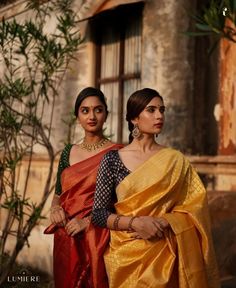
227,106
168,65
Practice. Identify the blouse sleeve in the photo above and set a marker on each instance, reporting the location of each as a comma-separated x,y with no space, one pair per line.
104,192
63,163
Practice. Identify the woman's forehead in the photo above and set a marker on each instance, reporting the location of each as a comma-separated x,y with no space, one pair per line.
91,101
156,101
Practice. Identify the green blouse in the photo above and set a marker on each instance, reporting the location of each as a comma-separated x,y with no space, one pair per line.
63,163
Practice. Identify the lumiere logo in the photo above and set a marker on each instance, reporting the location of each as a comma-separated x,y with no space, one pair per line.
23,276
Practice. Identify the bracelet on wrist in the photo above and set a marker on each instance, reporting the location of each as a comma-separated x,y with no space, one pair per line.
130,228
116,222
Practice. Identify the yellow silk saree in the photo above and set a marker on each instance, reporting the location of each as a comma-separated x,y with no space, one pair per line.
166,186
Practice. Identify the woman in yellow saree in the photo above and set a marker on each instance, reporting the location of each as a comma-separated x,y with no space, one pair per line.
160,232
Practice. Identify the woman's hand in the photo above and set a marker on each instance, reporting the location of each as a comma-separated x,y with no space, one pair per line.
149,228
58,216
76,225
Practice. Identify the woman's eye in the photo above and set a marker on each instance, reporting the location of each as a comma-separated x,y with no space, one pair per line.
150,109
84,110
98,110
162,109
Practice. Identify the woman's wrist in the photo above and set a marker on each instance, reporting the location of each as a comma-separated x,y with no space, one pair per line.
55,207
133,224
164,223
130,223
122,223
115,225
87,219
55,201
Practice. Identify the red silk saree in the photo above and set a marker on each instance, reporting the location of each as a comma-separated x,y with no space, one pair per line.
78,261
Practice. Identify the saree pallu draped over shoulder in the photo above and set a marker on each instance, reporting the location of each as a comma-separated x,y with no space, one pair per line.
165,185
78,261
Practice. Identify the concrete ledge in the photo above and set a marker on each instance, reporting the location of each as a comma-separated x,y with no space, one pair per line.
214,164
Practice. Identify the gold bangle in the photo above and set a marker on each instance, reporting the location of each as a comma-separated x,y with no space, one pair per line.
130,228
116,221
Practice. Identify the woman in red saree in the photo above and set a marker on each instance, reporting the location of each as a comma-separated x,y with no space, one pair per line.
78,245
161,202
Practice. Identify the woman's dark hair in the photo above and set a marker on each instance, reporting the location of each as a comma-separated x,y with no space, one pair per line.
87,92
137,103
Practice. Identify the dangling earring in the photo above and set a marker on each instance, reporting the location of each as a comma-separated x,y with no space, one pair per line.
155,137
136,132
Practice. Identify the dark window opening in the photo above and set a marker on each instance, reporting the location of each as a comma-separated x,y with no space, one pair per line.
117,35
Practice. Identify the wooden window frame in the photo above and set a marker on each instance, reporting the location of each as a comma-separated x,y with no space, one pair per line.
122,77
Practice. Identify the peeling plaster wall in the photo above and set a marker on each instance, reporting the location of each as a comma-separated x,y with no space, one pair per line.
168,66
227,106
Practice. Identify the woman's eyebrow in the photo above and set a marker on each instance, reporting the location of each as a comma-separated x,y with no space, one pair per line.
154,106
98,106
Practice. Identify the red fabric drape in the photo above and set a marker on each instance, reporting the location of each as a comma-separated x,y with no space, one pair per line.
78,261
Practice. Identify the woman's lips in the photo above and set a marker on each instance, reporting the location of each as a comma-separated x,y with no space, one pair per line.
92,124
159,125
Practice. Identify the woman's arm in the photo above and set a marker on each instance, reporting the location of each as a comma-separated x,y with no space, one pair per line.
105,191
145,227
57,214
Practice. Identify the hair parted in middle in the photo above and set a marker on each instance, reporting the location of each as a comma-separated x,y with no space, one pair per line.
137,103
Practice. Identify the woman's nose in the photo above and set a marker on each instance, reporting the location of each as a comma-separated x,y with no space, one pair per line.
158,114
92,114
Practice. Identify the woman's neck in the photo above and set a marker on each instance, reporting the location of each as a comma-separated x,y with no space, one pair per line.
146,144
93,138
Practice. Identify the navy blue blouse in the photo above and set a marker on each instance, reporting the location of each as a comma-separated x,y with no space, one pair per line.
111,172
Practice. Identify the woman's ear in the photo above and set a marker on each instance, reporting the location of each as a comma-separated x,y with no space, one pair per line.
134,121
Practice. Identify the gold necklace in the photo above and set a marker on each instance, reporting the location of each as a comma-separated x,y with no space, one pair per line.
93,146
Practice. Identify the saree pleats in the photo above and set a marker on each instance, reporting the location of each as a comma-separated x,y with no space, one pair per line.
166,185
78,261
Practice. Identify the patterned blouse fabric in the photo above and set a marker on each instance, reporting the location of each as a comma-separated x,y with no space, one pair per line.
111,172
63,163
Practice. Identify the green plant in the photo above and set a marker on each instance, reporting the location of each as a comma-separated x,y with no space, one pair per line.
34,64
218,18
